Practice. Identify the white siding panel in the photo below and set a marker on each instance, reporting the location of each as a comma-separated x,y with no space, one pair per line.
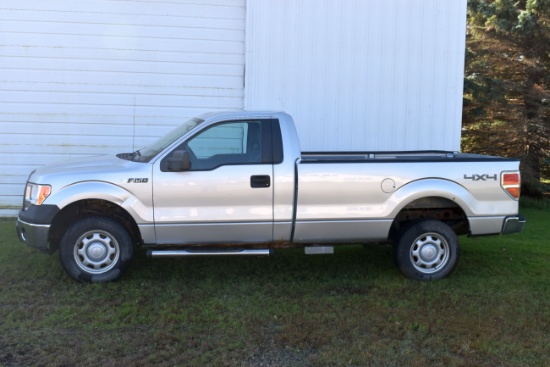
209,10
124,100
175,90
360,75
118,66
88,53
121,31
82,16
76,77
75,74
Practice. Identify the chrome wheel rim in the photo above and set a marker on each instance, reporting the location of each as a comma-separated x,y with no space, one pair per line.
96,252
429,253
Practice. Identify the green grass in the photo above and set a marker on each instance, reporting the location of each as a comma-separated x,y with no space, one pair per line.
349,309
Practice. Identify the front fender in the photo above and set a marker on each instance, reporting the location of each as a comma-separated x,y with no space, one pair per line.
141,211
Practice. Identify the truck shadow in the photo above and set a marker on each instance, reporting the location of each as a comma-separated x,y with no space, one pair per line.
352,261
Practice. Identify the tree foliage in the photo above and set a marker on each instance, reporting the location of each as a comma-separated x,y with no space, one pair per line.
507,84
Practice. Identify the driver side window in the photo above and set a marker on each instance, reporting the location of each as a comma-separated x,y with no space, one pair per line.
238,142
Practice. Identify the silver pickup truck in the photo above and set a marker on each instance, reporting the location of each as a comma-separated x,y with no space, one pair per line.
237,183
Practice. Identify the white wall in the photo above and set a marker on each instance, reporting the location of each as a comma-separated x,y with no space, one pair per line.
80,78
357,74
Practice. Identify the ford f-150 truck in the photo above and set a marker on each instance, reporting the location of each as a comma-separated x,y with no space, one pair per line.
237,183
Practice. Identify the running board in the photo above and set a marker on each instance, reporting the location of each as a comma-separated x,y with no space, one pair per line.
181,253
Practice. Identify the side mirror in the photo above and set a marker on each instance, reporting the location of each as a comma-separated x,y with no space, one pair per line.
179,161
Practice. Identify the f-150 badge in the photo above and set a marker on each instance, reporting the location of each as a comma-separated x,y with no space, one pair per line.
138,180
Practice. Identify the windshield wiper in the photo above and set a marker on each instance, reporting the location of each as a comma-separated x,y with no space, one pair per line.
135,155
129,156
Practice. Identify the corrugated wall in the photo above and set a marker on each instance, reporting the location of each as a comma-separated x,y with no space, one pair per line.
358,74
80,78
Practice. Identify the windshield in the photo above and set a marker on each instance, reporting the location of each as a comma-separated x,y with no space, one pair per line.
147,153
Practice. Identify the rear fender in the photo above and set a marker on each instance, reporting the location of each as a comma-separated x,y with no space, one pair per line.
432,188
484,216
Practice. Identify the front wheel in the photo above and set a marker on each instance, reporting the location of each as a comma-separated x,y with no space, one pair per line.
95,250
427,250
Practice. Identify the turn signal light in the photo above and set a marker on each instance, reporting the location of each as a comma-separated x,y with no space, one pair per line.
511,183
36,194
43,192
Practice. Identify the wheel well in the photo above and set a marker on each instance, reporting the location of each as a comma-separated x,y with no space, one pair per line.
437,208
86,208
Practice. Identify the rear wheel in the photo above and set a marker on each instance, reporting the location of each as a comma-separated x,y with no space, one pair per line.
427,250
96,249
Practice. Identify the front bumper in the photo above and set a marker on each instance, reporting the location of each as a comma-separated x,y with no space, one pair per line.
34,235
513,224
33,226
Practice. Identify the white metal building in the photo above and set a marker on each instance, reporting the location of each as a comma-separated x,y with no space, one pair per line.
80,78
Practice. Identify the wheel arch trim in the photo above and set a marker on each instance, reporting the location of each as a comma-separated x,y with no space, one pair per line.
437,188
98,190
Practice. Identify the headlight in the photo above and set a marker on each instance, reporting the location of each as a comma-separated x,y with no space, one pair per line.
36,194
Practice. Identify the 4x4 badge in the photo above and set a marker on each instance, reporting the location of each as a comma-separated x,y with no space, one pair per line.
484,177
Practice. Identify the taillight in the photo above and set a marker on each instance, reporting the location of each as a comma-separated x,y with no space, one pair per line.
511,183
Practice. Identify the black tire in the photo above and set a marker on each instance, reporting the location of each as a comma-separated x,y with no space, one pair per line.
96,250
427,249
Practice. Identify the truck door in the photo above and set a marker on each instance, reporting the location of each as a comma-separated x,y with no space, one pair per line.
226,195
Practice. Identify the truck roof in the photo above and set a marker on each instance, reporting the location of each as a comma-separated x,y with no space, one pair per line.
239,114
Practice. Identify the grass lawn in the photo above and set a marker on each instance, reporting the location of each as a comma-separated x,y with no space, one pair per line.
350,309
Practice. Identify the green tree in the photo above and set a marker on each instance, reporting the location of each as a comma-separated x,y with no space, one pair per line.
507,84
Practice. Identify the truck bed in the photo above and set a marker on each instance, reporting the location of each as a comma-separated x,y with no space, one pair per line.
415,156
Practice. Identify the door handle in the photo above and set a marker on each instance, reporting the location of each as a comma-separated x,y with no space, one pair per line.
260,181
